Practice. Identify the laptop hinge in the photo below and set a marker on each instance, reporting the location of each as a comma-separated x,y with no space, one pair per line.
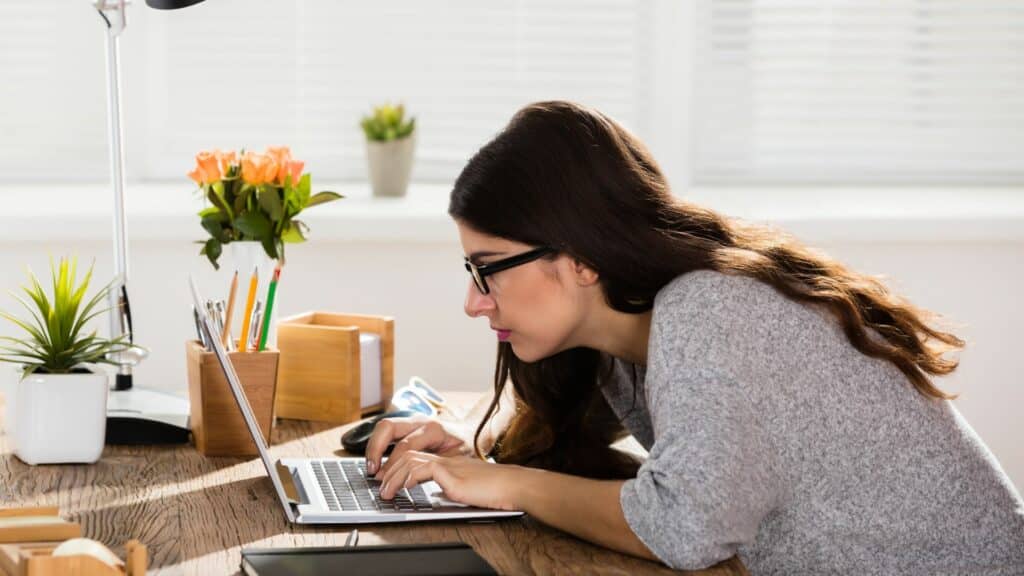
288,482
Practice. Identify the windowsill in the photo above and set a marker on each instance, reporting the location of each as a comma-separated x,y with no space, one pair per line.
818,214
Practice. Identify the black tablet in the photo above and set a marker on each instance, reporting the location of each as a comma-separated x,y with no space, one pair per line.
445,559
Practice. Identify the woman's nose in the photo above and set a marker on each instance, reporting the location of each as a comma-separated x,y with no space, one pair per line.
477,303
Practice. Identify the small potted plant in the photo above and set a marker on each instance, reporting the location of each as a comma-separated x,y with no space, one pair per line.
58,412
390,142
254,198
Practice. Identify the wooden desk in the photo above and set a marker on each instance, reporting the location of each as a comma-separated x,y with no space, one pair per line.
196,513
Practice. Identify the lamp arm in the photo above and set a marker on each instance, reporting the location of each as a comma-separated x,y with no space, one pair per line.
113,13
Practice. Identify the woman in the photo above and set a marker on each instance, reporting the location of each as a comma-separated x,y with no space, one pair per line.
785,400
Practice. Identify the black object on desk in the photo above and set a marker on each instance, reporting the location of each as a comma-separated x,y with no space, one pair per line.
445,559
355,440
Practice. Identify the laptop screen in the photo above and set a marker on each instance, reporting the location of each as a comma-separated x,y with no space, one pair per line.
243,403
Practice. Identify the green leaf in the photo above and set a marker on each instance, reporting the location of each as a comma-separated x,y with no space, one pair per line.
270,200
254,225
212,223
323,197
292,233
241,203
216,197
212,250
55,343
270,246
303,190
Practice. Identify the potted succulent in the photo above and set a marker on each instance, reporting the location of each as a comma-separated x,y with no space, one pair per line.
254,198
58,411
390,142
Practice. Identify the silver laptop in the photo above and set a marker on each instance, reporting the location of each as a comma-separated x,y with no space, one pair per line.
336,490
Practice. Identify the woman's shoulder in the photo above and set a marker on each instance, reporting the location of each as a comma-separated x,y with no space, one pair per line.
730,306
700,289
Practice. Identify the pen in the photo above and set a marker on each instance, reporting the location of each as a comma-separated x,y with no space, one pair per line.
254,322
225,336
218,307
243,341
211,313
353,538
265,328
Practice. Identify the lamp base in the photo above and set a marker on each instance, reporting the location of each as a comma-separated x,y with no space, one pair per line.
141,416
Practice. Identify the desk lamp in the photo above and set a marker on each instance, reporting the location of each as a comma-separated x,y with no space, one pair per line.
134,415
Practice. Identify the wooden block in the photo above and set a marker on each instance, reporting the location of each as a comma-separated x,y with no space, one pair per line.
35,524
36,559
320,369
218,427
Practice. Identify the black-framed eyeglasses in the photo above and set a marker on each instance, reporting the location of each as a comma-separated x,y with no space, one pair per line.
480,272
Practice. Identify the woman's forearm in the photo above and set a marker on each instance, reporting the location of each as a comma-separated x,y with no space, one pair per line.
586,508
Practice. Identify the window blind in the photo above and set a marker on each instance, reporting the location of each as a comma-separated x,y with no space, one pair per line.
252,73
834,91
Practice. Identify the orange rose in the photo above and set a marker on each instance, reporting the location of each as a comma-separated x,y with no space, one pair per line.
226,160
258,168
292,168
207,168
280,154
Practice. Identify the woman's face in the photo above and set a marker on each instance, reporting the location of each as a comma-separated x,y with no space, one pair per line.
536,307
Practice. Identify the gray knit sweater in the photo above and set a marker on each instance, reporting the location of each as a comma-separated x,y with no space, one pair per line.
771,437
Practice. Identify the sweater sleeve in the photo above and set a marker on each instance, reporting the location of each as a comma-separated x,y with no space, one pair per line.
708,481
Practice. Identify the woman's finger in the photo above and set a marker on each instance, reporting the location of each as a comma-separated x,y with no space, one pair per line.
395,478
385,432
421,472
423,438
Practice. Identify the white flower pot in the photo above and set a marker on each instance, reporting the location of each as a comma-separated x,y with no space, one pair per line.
59,418
390,164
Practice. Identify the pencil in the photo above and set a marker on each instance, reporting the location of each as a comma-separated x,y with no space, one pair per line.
243,342
265,325
226,334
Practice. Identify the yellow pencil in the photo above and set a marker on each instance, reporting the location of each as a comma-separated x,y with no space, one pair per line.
226,334
242,342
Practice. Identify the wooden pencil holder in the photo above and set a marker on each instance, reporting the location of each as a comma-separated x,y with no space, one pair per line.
27,549
320,376
218,428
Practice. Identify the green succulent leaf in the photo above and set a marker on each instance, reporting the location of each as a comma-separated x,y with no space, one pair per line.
55,341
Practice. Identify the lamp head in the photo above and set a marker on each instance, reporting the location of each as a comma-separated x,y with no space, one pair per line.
171,4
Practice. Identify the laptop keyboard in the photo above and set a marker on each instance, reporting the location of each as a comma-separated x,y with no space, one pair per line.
346,488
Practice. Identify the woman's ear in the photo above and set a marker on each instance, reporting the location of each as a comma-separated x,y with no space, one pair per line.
585,275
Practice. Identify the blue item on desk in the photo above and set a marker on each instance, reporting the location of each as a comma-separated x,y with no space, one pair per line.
355,440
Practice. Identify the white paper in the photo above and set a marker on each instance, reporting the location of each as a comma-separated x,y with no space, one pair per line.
369,368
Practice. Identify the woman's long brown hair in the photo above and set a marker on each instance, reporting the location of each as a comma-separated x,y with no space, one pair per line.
569,177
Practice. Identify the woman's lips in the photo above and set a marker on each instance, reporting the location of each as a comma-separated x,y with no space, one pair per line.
503,334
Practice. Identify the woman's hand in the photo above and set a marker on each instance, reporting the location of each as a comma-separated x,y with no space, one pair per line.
467,480
415,433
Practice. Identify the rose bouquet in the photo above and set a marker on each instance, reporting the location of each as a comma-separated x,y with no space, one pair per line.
255,197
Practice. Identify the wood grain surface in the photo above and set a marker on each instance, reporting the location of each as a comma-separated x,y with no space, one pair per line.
195,513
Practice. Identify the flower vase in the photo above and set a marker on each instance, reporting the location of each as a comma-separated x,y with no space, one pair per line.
246,256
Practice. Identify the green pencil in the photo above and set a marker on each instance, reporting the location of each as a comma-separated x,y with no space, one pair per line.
265,328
